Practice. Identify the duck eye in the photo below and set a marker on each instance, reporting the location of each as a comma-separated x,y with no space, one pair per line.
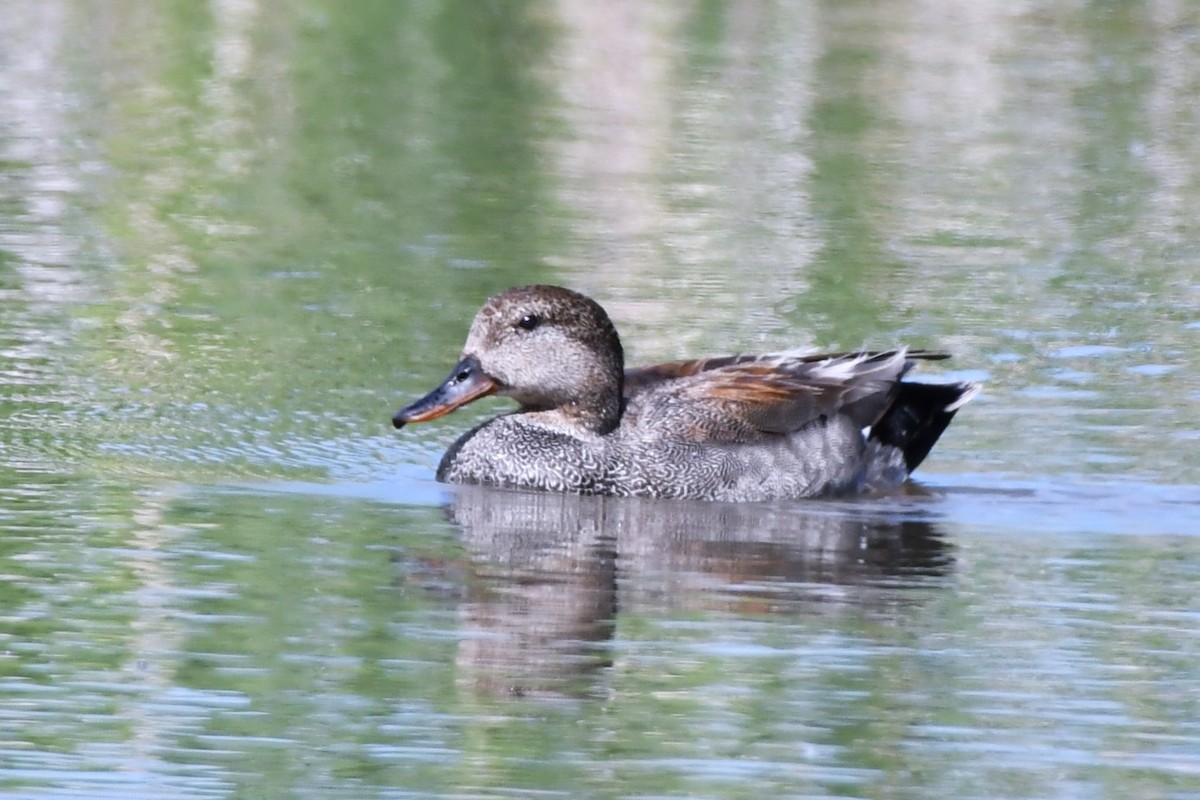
529,322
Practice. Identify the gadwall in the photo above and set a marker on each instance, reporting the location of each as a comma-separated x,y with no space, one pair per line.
735,428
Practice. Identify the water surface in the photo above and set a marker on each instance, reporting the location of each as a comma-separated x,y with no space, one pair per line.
235,237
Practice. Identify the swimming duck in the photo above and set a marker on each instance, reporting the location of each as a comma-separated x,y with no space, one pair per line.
732,428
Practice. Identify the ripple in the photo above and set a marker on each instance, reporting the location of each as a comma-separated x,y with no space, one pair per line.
1152,370
1087,351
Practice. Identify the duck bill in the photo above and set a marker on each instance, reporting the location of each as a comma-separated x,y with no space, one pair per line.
467,382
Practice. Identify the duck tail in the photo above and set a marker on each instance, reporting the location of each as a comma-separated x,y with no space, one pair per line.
918,416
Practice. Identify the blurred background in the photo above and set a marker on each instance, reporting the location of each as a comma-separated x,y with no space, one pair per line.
235,236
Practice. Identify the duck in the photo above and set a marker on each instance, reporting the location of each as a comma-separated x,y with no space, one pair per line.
739,428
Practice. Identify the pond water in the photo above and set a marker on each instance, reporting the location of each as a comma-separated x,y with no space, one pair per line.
236,236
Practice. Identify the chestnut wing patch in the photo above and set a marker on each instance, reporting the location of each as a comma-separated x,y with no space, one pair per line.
638,379
747,398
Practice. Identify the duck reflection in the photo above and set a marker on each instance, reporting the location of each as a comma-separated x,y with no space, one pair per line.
550,570
542,598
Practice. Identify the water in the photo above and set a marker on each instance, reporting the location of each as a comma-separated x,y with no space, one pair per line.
235,237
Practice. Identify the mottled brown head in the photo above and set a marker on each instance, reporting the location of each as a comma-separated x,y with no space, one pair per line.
544,346
550,347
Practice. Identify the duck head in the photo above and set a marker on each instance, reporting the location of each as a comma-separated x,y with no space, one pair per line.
548,348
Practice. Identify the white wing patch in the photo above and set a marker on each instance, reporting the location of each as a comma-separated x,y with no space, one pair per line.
845,369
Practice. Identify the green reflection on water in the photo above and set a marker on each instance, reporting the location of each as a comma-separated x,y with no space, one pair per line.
235,236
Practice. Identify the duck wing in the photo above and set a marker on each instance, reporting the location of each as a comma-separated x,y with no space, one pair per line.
639,379
749,398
